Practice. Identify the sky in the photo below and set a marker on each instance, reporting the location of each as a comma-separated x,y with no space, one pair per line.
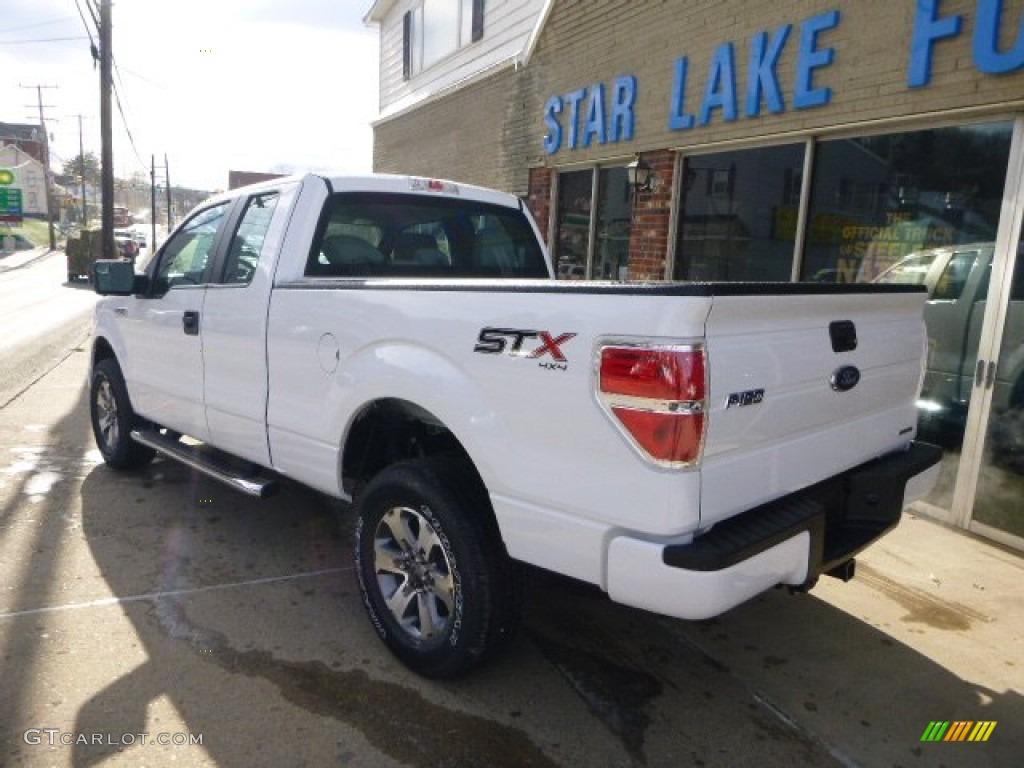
216,85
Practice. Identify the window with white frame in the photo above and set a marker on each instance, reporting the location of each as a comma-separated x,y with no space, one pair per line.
434,29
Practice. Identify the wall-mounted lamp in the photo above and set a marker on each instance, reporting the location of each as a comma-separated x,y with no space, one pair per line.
640,175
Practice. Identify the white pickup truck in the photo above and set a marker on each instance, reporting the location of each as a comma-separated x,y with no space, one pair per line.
401,342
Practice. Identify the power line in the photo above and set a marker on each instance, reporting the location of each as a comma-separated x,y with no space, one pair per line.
92,43
124,121
143,77
41,40
37,24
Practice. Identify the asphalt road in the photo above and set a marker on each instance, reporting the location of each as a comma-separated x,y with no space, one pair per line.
153,606
43,317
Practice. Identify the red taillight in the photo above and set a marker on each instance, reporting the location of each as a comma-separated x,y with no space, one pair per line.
657,395
657,374
671,437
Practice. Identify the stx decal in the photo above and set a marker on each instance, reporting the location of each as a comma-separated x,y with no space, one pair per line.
496,341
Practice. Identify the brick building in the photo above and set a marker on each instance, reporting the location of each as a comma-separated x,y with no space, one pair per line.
790,140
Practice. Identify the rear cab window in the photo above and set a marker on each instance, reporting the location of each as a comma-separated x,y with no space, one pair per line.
378,234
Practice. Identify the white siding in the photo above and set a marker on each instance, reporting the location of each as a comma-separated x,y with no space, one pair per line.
30,178
507,28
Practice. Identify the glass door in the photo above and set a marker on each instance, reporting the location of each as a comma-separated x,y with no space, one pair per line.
990,484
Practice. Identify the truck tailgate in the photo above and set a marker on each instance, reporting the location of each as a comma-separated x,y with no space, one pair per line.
802,387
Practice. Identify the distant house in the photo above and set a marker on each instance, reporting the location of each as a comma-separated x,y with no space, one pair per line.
29,177
24,136
429,52
238,179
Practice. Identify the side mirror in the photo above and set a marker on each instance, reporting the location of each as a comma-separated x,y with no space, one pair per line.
116,277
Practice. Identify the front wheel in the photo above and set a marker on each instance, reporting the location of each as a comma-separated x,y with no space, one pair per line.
113,418
433,572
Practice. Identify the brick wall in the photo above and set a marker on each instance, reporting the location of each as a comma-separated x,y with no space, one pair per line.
476,134
648,237
538,198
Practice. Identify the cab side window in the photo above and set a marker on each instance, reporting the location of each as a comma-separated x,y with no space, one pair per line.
186,255
247,244
954,277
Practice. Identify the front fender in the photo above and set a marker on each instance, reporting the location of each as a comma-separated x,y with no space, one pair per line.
107,336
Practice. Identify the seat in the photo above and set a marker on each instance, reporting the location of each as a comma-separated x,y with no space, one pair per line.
492,250
350,256
407,244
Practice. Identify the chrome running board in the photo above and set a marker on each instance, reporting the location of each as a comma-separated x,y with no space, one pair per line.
208,461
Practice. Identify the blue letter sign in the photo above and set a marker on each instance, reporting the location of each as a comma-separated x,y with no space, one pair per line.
810,58
987,56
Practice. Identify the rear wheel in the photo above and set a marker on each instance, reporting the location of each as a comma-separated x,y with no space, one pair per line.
113,419
436,581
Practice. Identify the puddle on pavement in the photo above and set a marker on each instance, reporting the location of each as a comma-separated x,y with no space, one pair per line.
398,721
921,607
616,694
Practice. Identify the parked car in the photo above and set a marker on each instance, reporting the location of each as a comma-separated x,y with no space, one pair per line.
126,244
122,217
957,278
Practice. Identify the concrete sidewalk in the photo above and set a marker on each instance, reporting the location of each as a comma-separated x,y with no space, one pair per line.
14,259
935,632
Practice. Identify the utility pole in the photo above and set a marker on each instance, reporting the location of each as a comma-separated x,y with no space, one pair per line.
47,176
152,201
81,170
106,132
167,178
167,181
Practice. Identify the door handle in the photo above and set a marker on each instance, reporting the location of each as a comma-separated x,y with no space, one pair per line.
190,322
979,373
990,377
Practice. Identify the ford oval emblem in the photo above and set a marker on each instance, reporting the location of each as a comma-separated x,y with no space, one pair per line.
844,379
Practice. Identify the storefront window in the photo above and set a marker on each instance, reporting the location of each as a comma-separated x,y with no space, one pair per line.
572,234
738,214
614,209
877,199
919,208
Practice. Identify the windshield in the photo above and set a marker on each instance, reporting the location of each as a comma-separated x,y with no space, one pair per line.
911,270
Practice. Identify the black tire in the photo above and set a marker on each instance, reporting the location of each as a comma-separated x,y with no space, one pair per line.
426,534
113,419
72,277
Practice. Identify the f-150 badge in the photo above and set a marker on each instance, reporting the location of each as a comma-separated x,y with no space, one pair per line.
512,341
741,399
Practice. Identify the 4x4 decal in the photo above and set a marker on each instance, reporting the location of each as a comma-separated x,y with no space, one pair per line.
497,341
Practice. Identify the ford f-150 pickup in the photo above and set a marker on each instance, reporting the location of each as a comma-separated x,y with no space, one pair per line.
401,343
